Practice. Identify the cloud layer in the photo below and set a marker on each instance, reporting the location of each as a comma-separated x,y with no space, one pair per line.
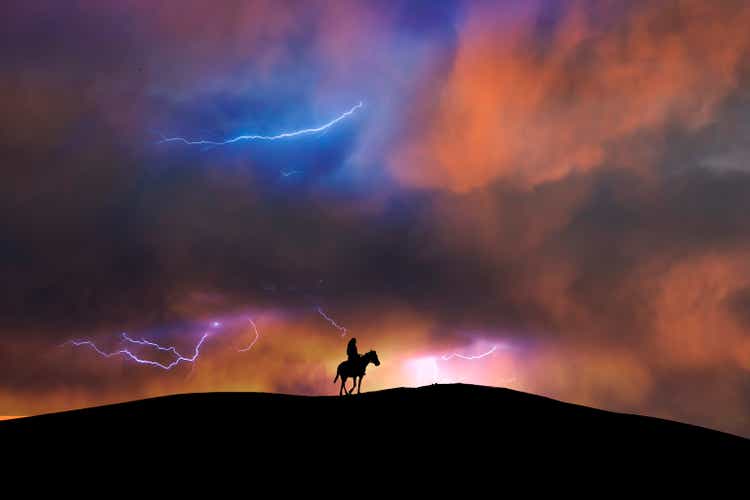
563,182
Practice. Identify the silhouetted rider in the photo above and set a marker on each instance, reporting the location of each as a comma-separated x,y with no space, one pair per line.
351,350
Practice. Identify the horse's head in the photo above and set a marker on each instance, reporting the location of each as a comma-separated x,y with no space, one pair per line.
372,356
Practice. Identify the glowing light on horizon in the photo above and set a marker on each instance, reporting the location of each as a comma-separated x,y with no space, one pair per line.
427,368
284,135
257,336
338,327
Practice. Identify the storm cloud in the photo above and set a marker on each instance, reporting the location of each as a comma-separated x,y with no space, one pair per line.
563,180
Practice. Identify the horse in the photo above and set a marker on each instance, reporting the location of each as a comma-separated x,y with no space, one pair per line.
354,369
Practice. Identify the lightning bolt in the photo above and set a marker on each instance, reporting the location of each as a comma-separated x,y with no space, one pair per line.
257,336
338,327
284,135
446,357
125,352
151,344
428,367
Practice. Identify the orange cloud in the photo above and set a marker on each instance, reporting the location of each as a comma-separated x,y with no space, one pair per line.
694,323
516,109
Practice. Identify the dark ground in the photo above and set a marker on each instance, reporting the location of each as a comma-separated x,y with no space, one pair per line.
462,433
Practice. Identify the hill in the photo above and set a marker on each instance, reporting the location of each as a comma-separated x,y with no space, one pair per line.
458,425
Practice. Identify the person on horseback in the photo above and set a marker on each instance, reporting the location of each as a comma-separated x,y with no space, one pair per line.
351,350
354,367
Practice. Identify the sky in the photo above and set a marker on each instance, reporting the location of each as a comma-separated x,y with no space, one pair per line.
546,195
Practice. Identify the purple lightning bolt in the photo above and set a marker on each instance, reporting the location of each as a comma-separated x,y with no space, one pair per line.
338,327
257,336
125,352
446,357
150,344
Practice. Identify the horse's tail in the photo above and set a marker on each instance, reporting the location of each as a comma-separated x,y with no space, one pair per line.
337,375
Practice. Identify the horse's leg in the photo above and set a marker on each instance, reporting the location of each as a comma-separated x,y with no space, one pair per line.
354,384
342,388
359,386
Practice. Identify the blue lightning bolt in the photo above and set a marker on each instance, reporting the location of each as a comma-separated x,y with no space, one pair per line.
284,135
257,336
125,352
332,322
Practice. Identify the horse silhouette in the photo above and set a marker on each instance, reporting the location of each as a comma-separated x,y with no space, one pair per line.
355,368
